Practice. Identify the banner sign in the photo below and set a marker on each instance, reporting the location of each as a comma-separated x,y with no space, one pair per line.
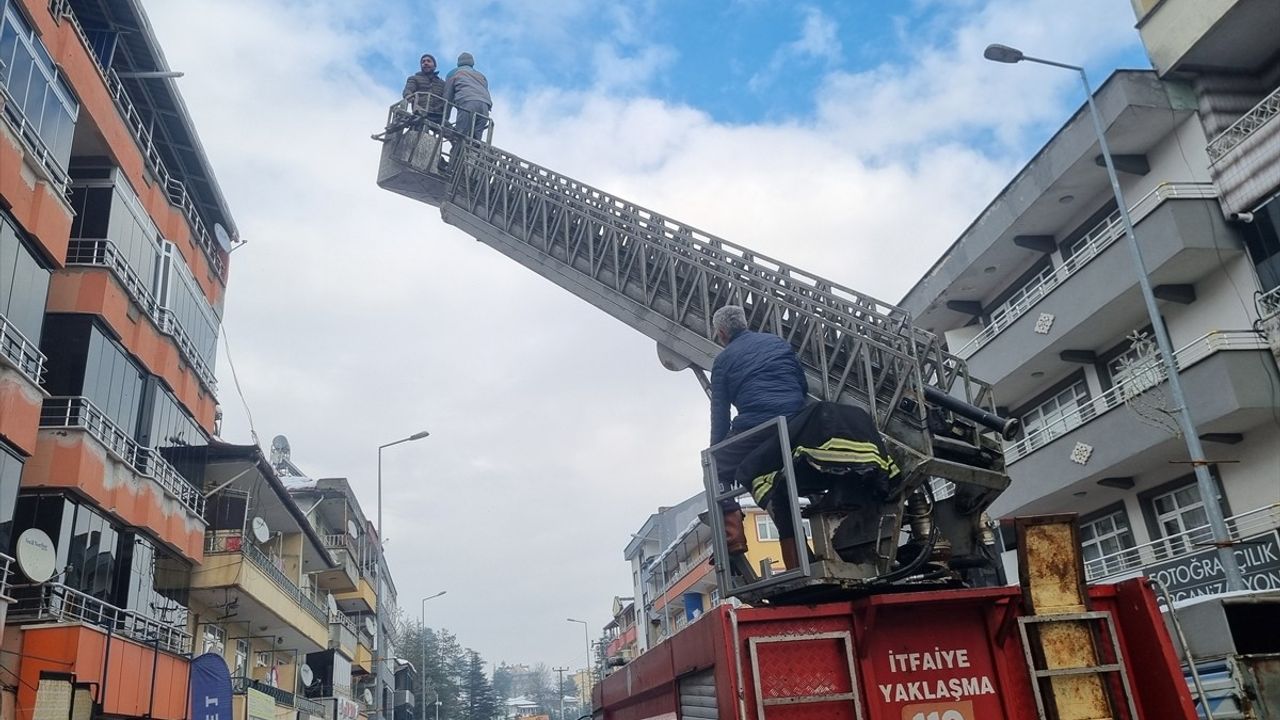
1200,573
210,688
261,706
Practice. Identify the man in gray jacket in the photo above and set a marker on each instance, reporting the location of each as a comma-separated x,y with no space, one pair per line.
468,90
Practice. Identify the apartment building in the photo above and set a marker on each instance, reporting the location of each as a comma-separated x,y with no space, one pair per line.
1041,297
674,579
348,670
114,241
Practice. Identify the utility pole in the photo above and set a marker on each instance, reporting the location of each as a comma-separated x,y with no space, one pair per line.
561,671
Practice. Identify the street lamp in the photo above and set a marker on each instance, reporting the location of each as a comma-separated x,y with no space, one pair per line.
1204,482
422,638
587,637
377,603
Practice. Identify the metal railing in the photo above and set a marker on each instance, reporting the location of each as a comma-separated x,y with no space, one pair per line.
102,252
438,115
55,602
1140,379
34,145
175,189
5,575
283,698
1097,239
80,413
21,352
1268,304
225,543
1132,560
1246,125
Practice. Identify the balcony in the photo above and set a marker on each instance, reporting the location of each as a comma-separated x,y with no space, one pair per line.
1241,157
56,603
1180,561
282,698
1227,389
1182,242
273,598
21,353
362,599
143,133
103,253
345,577
342,635
403,698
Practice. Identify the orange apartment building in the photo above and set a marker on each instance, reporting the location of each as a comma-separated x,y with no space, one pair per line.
114,240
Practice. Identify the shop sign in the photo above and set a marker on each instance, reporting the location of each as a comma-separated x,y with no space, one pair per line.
1201,574
261,706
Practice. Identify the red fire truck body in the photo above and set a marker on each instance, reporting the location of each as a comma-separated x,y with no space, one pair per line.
936,655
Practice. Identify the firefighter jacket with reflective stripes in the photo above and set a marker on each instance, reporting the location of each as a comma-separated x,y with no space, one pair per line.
829,441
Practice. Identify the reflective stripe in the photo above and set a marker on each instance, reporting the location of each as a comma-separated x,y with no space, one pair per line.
761,486
839,450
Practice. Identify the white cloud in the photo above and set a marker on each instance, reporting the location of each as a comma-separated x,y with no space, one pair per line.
357,316
819,40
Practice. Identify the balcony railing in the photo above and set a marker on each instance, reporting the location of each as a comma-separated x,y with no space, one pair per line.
283,698
5,575
234,542
21,352
1269,304
1131,560
55,602
1136,381
105,253
33,145
142,133
1139,380
1099,238
80,413
1246,125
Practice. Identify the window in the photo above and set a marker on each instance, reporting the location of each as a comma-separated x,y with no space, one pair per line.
88,362
108,209
181,295
1102,539
156,583
1182,511
24,281
241,668
41,105
10,477
1262,238
1056,415
167,427
766,530
215,639
91,556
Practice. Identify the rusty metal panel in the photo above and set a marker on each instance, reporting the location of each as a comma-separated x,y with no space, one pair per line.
1261,679
1050,568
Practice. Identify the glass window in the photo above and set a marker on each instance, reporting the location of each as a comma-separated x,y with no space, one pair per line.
91,554
1101,540
1180,516
765,529
1262,238
173,432
157,584
181,295
85,361
215,639
24,282
1058,414
10,477
53,514
42,104
241,666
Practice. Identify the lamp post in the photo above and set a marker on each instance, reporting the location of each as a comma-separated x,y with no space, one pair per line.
1204,481
377,601
586,636
422,638
437,704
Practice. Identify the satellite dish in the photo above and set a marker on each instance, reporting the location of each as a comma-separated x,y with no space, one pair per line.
370,626
261,531
36,555
333,605
308,677
352,529
368,696
220,234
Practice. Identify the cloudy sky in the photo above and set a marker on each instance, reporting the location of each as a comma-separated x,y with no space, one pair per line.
853,139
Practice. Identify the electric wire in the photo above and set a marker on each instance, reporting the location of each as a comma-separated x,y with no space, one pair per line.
235,378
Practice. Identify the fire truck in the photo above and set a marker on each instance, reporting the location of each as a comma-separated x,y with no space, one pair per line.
900,609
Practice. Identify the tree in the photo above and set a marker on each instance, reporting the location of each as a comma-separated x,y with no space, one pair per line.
504,682
480,700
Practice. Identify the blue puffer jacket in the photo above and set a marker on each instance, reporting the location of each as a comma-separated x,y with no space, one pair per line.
759,374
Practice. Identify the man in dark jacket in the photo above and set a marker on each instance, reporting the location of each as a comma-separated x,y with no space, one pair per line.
426,80
468,90
759,375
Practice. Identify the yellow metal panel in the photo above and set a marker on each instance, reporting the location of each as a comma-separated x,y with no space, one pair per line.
1053,577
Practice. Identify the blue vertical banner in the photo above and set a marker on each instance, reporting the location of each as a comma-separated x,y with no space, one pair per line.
210,688
692,605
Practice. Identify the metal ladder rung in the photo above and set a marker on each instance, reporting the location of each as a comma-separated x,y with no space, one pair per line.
1089,670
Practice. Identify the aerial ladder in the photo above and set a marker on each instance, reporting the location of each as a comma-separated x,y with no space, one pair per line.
666,279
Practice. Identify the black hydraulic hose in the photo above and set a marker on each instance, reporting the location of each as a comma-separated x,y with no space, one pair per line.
1007,427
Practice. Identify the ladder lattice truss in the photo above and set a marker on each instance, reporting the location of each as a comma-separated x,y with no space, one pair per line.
665,278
